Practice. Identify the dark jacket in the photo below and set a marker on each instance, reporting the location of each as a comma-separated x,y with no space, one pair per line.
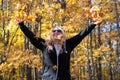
50,58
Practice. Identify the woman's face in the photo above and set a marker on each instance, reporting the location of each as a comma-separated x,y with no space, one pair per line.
57,34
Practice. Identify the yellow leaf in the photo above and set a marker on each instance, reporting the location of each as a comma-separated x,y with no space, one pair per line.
30,17
56,6
46,5
95,8
18,6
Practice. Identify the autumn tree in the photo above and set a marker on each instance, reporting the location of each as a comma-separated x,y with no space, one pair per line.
97,54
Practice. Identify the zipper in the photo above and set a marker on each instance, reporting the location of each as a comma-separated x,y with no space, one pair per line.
57,66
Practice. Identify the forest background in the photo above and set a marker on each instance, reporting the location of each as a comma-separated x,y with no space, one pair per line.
96,58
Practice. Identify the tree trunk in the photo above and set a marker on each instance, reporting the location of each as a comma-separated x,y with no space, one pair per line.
83,73
99,39
4,57
118,46
99,69
117,17
99,58
80,76
28,69
110,56
1,78
3,25
35,77
89,70
12,74
28,73
95,39
117,62
111,73
22,72
88,63
91,56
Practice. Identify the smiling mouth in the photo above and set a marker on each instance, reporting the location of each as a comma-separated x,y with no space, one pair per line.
58,36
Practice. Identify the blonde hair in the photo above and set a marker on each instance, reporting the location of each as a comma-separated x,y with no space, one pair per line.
50,39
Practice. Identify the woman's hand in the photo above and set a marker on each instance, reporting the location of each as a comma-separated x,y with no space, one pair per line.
19,20
98,22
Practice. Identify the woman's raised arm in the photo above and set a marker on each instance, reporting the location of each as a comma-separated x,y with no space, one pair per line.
37,42
75,40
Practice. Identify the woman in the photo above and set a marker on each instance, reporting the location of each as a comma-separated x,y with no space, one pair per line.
56,50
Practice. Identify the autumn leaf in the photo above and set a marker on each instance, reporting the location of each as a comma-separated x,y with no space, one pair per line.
73,19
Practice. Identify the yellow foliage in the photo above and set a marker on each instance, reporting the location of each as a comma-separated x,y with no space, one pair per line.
0,2
96,52
46,6
30,17
105,48
94,13
18,58
95,8
56,6
71,2
73,19
20,14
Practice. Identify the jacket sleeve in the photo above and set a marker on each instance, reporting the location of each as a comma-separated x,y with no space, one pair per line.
37,42
74,41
